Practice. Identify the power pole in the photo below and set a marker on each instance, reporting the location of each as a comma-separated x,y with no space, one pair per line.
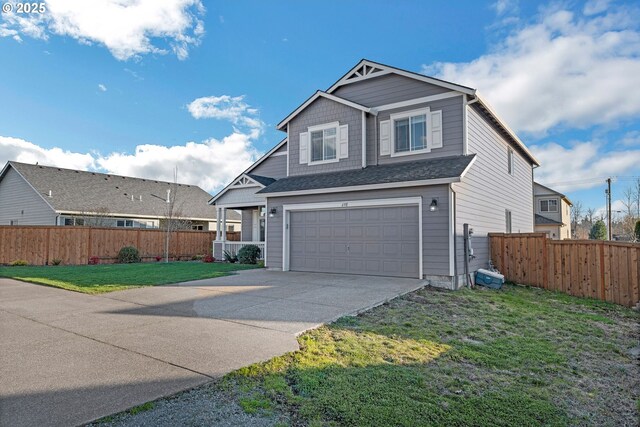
609,206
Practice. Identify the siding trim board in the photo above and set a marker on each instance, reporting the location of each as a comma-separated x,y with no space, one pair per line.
350,204
415,101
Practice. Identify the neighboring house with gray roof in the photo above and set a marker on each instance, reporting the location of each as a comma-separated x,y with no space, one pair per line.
44,195
552,212
379,175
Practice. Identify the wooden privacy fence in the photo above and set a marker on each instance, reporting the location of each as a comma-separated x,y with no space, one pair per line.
40,245
609,271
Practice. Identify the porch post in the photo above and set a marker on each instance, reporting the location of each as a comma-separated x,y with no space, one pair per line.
224,224
218,222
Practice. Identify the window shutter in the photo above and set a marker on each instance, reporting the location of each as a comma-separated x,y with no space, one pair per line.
343,150
304,148
385,138
436,129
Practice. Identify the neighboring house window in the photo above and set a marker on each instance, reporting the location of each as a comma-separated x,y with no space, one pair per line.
409,131
79,221
68,221
510,161
230,228
323,143
507,217
197,227
124,223
549,205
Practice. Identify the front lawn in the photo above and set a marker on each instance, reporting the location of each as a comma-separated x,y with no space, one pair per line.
521,356
96,279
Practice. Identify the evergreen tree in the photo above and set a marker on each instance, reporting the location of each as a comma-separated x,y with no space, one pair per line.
598,231
637,231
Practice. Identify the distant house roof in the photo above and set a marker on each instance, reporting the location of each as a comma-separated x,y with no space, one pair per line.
541,190
76,191
426,172
543,220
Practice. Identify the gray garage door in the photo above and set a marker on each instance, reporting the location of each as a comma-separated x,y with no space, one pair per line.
381,241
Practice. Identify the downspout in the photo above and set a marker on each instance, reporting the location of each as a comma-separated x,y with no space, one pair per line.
465,125
364,140
455,237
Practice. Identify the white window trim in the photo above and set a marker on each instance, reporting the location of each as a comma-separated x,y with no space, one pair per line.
404,115
350,204
548,200
323,127
511,161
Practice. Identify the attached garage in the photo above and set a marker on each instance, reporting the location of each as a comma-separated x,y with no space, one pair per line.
374,237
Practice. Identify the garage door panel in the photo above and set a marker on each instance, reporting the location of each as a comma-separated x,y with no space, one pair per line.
377,240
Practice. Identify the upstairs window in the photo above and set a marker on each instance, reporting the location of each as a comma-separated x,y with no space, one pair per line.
549,205
510,161
409,132
323,144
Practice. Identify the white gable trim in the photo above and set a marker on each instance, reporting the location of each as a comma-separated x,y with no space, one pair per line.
315,96
345,80
417,101
250,168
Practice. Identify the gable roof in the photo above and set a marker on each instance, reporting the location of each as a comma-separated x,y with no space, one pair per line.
537,185
419,172
76,191
247,170
543,220
367,69
326,95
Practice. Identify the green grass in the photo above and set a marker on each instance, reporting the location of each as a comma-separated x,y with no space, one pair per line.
96,279
520,356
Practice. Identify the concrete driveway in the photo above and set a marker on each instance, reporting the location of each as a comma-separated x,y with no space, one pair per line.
68,358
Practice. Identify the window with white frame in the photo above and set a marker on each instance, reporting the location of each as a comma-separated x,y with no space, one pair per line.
549,205
510,161
323,143
409,131
124,223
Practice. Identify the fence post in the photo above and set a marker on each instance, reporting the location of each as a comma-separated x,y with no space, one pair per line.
600,247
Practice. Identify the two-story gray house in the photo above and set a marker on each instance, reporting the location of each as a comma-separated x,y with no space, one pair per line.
379,174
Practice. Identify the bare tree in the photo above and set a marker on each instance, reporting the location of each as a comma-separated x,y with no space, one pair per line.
576,217
589,216
100,217
173,218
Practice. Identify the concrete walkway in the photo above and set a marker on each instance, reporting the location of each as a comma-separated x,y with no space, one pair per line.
68,358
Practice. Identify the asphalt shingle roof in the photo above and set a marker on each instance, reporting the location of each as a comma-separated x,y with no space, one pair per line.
264,180
543,220
444,167
81,191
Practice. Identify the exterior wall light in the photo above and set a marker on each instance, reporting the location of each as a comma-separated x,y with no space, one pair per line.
434,205
272,212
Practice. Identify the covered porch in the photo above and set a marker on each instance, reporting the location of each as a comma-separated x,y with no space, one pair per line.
252,229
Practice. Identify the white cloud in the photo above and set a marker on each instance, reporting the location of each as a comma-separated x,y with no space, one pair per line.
232,108
563,70
503,7
631,139
102,87
24,151
210,164
126,28
584,165
593,7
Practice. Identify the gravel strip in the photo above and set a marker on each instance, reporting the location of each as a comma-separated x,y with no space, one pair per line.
203,406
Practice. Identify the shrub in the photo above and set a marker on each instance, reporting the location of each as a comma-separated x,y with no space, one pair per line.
94,260
19,262
198,258
636,231
249,254
56,261
128,255
230,257
159,258
208,258
598,231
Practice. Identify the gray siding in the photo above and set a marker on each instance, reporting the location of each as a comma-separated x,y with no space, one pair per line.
19,202
273,167
488,189
247,225
241,196
282,149
452,123
435,224
387,89
320,112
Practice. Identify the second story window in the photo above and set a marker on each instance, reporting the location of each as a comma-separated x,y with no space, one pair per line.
510,161
549,205
409,131
323,144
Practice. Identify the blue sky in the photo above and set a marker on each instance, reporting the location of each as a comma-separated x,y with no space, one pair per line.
138,90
